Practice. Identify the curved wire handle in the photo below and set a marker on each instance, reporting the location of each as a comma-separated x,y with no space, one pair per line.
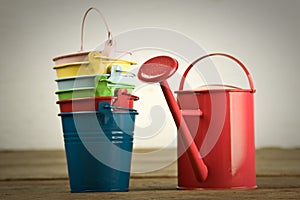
135,98
109,35
128,73
253,90
119,108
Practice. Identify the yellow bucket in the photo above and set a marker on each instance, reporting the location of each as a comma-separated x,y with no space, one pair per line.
96,64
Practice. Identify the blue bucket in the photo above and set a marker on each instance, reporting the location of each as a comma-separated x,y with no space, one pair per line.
98,148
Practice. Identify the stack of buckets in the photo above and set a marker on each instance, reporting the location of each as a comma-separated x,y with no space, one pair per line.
97,119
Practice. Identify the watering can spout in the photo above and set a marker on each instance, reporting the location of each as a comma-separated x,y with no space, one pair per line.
199,167
164,68
202,176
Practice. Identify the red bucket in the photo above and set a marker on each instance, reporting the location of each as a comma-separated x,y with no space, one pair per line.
221,121
123,99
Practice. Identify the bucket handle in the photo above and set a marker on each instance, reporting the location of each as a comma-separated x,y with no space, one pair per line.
122,92
128,73
253,90
108,106
130,96
109,36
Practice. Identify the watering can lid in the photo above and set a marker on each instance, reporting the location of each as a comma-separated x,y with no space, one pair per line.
215,88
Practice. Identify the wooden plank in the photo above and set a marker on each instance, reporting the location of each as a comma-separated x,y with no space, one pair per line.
52,164
32,165
148,188
276,162
43,175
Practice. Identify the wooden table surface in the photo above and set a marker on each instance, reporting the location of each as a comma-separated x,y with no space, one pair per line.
43,175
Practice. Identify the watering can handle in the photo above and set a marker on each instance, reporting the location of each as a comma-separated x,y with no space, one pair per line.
105,23
218,54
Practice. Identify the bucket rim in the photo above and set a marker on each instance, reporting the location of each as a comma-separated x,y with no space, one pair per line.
71,64
95,112
80,77
70,55
86,99
105,59
75,89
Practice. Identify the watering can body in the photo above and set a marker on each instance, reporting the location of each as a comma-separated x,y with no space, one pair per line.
225,140
221,122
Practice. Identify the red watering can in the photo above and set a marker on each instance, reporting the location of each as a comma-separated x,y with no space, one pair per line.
224,133
215,126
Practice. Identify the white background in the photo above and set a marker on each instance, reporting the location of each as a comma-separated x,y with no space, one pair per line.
263,34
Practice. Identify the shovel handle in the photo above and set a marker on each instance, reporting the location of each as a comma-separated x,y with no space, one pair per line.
109,36
218,54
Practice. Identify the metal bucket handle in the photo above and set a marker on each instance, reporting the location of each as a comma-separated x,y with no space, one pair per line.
253,90
106,105
109,35
123,92
123,95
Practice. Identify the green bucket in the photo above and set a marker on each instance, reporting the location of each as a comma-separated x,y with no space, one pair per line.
76,93
103,87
